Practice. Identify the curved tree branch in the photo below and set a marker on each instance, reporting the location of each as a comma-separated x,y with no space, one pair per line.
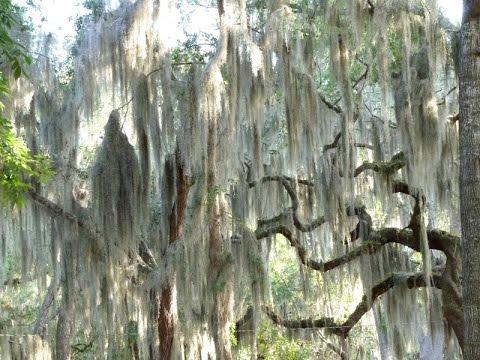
397,162
391,124
267,227
280,224
57,211
411,280
371,7
363,76
334,144
373,240
329,105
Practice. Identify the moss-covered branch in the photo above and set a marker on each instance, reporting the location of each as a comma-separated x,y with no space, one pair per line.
301,251
280,178
267,226
334,144
437,239
397,162
363,76
280,224
411,280
321,323
57,211
331,106
373,240
39,327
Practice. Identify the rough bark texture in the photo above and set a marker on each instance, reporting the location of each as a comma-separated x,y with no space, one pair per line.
180,183
165,322
470,173
63,351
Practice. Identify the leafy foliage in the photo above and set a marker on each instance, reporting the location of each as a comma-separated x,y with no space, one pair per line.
273,344
189,52
17,164
286,286
10,49
19,302
97,7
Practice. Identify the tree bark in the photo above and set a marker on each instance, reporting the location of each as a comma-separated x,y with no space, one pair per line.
469,87
165,322
165,314
63,337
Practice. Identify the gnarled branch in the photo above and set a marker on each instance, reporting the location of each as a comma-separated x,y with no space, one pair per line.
329,105
267,226
57,211
411,280
397,162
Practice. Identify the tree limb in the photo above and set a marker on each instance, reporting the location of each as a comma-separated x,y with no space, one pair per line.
371,7
391,124
454,118
334,144
363,76
445,97
450,245
39,327
279,178
437,239
397,162
329,105
280,224
323,323
149,262
57,211
411,280
417,194
301,251
290,213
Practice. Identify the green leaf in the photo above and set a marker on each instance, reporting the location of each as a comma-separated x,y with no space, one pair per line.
17,72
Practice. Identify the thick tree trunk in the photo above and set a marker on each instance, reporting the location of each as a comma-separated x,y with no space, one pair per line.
470,174
165,315
165,322
63,336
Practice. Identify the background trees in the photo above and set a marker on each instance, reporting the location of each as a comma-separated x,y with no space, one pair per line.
319,135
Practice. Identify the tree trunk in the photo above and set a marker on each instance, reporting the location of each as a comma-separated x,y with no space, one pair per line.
165,313
165,322
63,336
470,173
